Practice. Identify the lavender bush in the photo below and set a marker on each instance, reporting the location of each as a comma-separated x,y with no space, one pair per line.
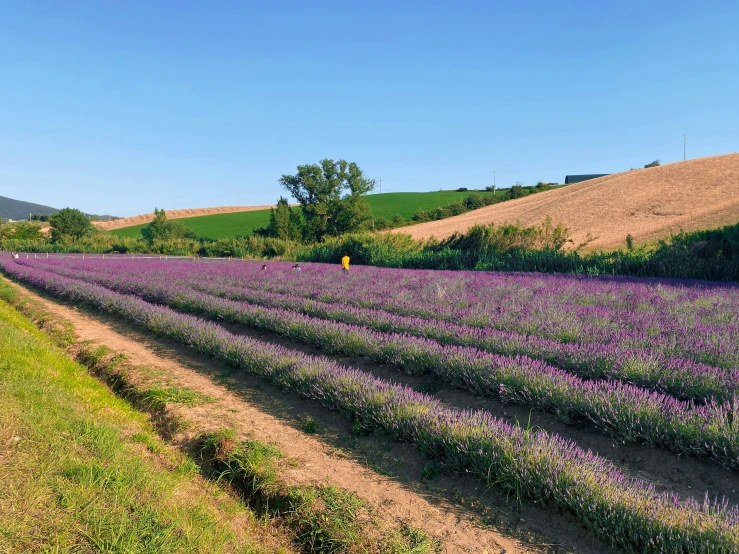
650,369
697,321
535,465
628,411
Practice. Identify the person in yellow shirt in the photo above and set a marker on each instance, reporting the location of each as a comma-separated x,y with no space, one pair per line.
345,263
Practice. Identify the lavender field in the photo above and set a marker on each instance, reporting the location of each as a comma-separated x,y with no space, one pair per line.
650,363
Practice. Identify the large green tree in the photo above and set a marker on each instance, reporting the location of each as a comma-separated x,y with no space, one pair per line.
330,197
162,228
284,222
69,223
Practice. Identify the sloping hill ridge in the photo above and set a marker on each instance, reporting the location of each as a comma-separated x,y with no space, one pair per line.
649,204
175,214
233,221
17,209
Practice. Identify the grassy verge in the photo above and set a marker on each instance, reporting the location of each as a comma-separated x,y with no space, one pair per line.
75,477
324,518
318,518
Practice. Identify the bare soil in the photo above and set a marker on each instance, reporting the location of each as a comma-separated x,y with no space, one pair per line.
685,476
649,204
457,509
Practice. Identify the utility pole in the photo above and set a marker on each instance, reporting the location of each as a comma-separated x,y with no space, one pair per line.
380,184
685,141
494,181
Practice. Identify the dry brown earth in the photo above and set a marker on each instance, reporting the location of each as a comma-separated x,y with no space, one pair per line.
174,214
649,204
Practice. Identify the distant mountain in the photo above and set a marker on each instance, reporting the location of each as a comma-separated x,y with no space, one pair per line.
17,209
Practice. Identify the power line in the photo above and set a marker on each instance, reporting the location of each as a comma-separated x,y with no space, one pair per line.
685,142
515,169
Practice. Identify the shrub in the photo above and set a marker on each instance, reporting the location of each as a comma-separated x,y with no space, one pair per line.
516,191
162,229
69,223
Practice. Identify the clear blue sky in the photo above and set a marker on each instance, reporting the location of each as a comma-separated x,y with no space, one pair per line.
116,107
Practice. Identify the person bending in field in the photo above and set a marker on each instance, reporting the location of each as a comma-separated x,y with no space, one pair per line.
345,263
297,267
264,267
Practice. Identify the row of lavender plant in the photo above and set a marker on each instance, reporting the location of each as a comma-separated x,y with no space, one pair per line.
646,368
681,378
536,465
625,410
694,323
705,327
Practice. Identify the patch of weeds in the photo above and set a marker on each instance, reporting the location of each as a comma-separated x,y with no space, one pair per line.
158,396
251,465
224,379
359,430
322,518
177,425
327,518
148,441
414,541
187,467
89,356
310,426
431,471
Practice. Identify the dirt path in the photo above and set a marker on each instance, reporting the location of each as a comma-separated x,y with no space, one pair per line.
260,411
683,475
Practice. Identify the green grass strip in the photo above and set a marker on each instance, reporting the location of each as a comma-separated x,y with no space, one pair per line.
324,519
71,476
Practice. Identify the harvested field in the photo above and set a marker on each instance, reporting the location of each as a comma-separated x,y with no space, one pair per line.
607,403
649,204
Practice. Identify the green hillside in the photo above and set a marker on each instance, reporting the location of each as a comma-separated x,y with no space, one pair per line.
385,206
213,226
407,203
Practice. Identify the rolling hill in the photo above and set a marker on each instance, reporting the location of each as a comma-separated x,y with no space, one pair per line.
233,221
214,226
649,204
17,209
143,219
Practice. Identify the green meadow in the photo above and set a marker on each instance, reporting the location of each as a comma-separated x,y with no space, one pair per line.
386,206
